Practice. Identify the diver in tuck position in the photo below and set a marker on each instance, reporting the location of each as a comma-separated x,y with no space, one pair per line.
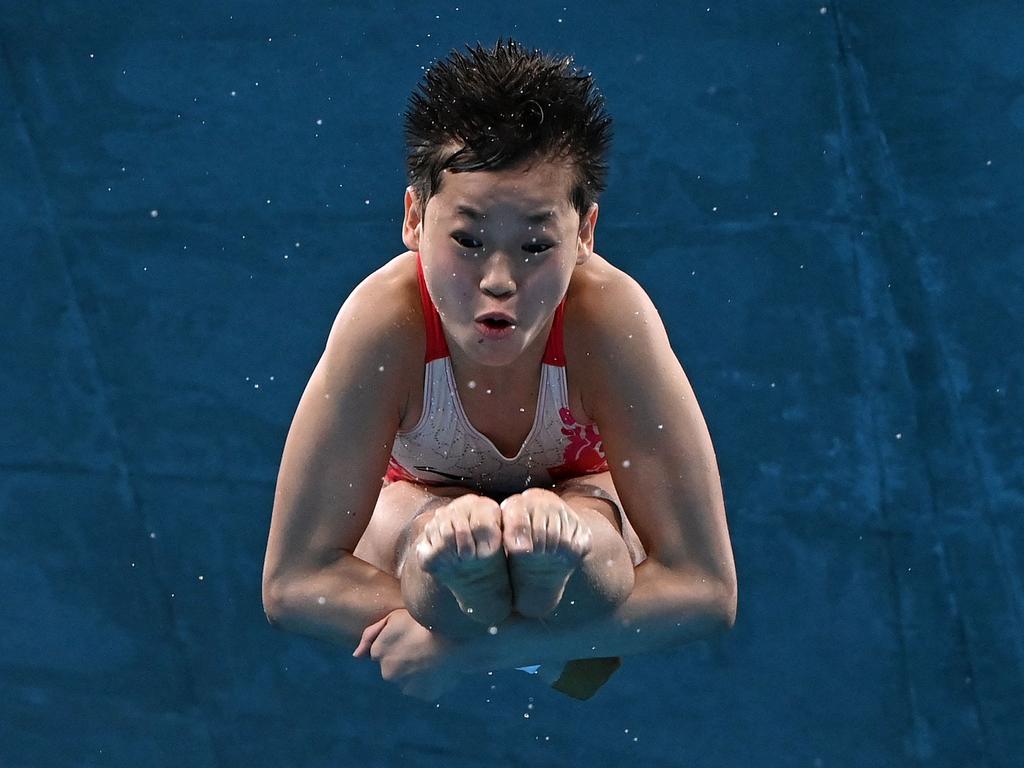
498,460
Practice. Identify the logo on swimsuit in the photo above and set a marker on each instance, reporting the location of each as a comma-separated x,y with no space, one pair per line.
442,474
584,454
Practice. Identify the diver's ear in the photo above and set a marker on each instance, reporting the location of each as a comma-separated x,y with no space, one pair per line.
412,225
585,238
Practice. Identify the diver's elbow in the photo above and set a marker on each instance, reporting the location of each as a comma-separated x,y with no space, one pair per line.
726,607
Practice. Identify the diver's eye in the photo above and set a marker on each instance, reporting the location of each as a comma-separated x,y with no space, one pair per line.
462,239
535,249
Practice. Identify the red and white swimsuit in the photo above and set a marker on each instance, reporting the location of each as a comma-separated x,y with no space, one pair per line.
445,449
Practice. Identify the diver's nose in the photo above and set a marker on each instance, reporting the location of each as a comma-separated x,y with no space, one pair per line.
495,290
497,279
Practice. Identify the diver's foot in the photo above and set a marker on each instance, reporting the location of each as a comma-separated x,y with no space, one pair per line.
461,547
542,556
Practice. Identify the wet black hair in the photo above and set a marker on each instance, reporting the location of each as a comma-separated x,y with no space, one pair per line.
495,109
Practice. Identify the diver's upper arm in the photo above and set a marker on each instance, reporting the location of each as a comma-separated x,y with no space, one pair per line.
340,439
656,441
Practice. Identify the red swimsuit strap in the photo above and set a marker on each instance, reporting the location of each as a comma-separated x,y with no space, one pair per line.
554,353
437,347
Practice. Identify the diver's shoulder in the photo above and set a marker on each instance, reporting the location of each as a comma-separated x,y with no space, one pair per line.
601,292
391,290
594,307
398,271
385,305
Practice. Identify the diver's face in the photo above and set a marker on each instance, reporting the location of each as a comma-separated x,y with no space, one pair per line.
505,241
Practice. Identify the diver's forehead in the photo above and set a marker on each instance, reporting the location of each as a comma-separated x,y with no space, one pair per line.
529,213
540,191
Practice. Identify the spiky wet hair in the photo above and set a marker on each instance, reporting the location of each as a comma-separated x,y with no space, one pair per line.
493,109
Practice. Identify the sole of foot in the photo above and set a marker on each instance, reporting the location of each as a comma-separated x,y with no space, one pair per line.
479,582
539,577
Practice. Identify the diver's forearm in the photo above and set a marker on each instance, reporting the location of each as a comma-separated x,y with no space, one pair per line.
664,609
337,602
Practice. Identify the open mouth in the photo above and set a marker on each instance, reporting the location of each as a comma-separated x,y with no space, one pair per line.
493,322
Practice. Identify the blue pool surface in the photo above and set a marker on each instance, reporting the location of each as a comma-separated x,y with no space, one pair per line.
822,199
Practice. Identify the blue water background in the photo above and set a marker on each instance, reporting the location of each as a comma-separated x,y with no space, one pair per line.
823,201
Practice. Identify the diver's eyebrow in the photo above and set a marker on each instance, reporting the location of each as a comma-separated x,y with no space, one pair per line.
533,218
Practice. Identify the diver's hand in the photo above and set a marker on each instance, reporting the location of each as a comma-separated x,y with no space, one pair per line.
422,664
